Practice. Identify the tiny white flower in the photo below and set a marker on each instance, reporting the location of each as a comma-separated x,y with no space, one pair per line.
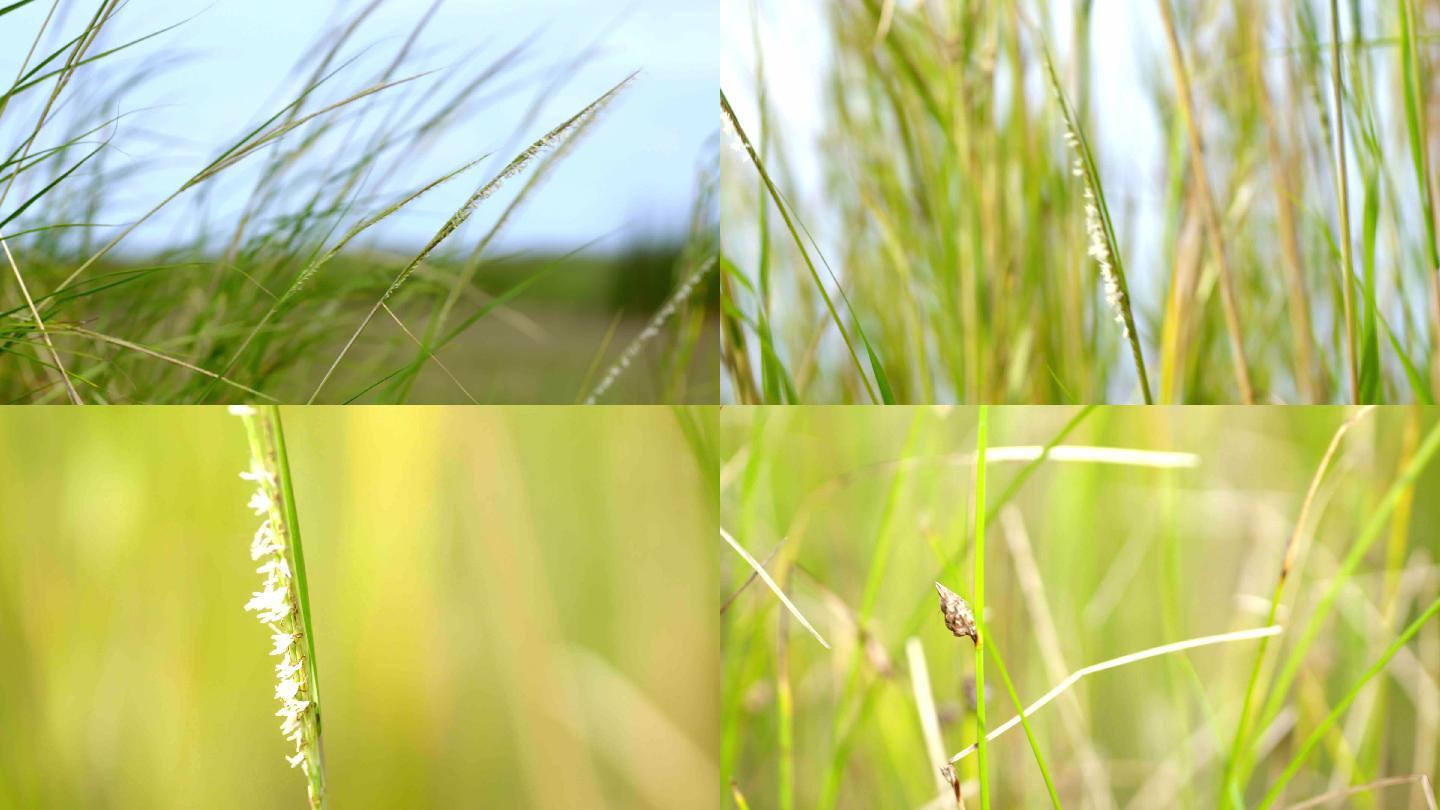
287,689
260,502
264,542
241,410
276,567
276,607
288,668
282,647
271,605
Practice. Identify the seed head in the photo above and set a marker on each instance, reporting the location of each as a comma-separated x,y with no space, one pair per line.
958,616
1099,247
277,606
954,781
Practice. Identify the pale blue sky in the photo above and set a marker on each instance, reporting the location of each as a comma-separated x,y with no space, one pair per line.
636,171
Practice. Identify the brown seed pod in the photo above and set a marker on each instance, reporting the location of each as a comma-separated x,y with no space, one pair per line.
957,613
954,781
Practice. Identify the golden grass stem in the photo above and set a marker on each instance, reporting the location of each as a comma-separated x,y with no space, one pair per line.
1208,209
925,706
1379,784
765,577
1292,547
136,347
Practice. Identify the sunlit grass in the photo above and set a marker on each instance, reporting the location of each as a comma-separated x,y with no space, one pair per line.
1150,658
471,650
258,275
1246,190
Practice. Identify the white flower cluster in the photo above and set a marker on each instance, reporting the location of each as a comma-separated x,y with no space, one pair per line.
1099,246
277,607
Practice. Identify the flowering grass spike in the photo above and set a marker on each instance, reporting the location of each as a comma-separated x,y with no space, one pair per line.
282,604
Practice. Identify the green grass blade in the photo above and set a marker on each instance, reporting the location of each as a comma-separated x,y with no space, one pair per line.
981,430
14,6
1320,731
550,140
1317,615
799,243
1024,722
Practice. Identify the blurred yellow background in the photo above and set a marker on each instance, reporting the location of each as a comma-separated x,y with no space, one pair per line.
512,607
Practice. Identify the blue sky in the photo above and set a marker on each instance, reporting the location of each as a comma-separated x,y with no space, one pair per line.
636,172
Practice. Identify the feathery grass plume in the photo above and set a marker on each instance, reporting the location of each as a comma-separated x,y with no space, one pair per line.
248,288
283,605
551,140
652,329
1103,248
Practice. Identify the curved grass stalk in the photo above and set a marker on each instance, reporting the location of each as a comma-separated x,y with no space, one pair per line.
145,350
1113,663
731,121
1420,779
1317,615
1230,786
313,266
651,330
249,145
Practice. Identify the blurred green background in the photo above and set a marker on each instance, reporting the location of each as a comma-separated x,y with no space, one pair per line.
511,608
870,500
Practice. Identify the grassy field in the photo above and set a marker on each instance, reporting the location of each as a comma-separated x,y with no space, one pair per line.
1139,528
495,624
261,276
1062,201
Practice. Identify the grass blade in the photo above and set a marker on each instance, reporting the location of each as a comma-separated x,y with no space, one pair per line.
982,639
551,140
1278,786
765,577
